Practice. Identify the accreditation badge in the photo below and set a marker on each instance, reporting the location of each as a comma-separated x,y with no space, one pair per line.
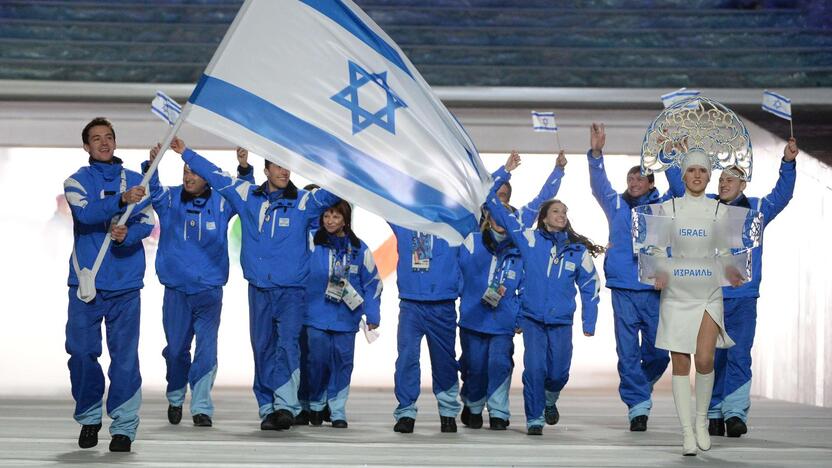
493,294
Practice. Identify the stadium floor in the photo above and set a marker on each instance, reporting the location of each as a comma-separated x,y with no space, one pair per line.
592,432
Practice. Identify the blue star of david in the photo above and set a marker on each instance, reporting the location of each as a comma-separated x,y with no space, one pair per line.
362,118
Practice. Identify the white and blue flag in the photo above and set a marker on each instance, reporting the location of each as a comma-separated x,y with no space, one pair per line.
316,86
544,122
680,94
165,108
777,104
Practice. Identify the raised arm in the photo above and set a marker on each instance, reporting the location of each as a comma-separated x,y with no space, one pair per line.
599,183
244,169
589,285
508,221
317,201
674,180
231,188
159,194
772,204
528,213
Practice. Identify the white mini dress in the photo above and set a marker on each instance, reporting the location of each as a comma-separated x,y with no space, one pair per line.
693,286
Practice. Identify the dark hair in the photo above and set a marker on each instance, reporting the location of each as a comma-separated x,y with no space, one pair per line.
344,209
507,184
637,170
311,187
267,163
485,227
94,123
573,237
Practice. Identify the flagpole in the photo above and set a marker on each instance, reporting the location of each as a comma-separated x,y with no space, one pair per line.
557,137
791,129
126,215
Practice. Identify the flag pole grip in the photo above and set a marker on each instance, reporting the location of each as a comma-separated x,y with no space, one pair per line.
86,281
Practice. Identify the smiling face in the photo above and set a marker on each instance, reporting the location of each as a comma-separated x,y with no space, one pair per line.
696,179
638,185
101,143
334,222
556,218
730,187
277,176
192,183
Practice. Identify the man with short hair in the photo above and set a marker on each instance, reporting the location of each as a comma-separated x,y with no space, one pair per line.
635,305
98,195
192,264
275,218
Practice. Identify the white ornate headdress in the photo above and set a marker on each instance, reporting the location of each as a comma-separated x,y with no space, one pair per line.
697,123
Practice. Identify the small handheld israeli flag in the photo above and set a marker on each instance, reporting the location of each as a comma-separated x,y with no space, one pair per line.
682,93
165,108
777,104
544,122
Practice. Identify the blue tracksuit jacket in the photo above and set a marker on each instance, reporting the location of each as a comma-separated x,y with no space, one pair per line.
193,243
275,225
94,197
324,314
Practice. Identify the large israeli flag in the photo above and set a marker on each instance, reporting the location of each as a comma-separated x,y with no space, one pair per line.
316,86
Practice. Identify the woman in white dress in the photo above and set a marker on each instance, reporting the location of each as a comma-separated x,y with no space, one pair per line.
691,315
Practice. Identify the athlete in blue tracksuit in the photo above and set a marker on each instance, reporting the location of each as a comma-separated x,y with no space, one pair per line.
343,284
97,195
635,305
429,282
192,263
555,260
275,259
731,398
492,272
302,419
487,325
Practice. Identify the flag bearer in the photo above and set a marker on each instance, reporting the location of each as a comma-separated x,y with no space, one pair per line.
97,195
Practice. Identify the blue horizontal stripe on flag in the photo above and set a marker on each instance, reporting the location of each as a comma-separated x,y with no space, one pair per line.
546,128
341,14
327,150
777,112
161,114
544,114
778,96
169,101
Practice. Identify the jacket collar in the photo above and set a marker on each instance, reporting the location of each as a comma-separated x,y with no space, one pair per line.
651,196
109,170
290,192
741,200
205,195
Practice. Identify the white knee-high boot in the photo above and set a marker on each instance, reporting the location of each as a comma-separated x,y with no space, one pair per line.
704,390
681,396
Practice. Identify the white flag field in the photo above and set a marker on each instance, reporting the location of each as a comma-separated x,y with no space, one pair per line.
544,122
777,104
164,107
679,95
319,88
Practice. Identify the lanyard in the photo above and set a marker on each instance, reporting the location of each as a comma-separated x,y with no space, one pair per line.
499,275
338,267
